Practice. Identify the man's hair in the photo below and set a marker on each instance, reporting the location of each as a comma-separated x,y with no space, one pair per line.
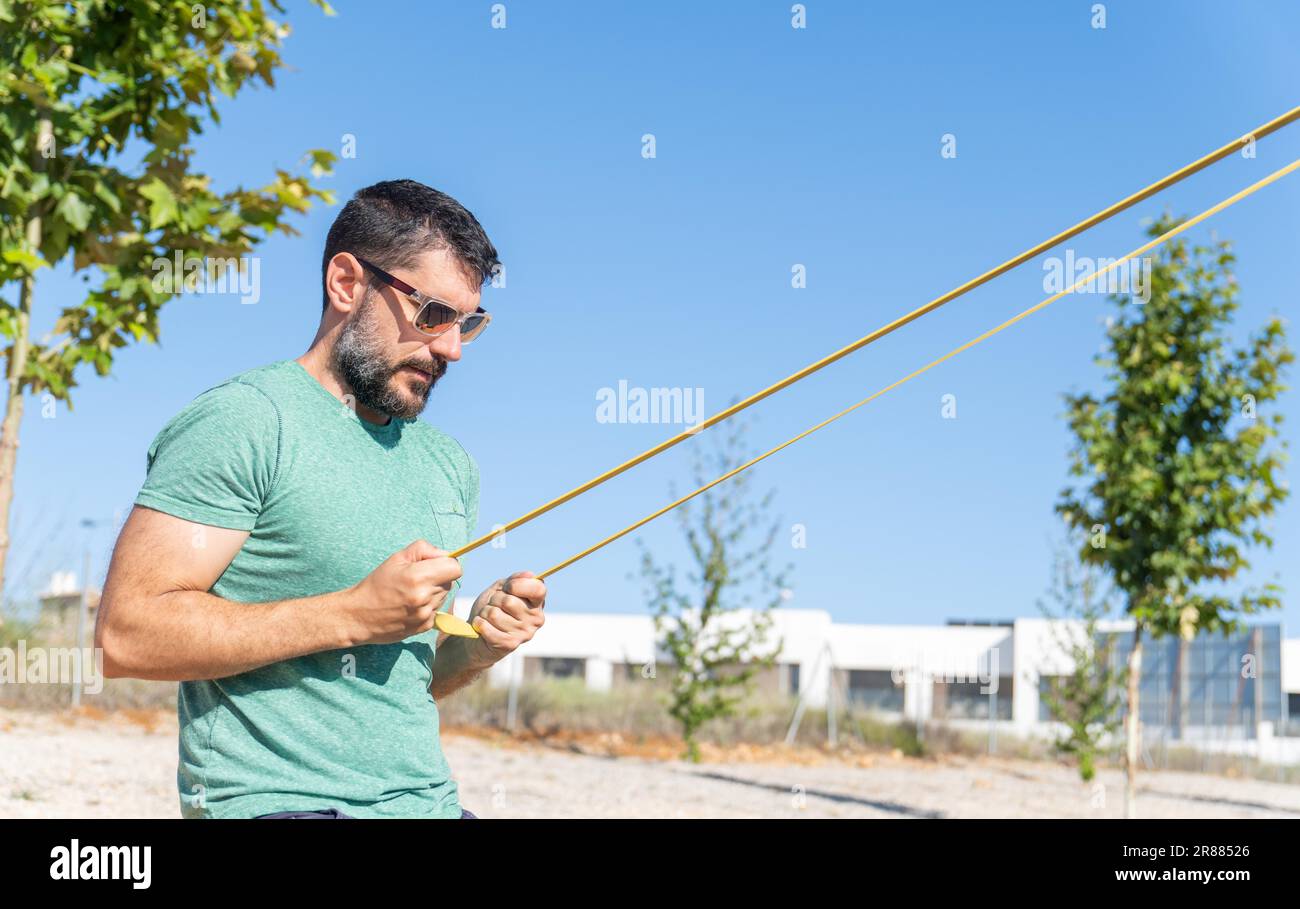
394,222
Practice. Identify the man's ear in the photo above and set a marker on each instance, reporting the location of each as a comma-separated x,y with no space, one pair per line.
345,283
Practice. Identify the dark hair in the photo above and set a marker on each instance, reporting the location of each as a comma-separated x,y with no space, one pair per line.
392,223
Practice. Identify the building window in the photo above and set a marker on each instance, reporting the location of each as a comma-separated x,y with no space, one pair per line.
564,667
874,689
1203,683
792,678
970,700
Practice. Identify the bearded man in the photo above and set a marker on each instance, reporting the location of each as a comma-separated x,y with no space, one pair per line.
287,554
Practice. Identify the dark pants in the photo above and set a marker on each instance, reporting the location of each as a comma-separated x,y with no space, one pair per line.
331,814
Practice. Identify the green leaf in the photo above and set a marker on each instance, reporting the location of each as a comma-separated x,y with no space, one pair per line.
322,161
74,211
25,259
105,194
163,209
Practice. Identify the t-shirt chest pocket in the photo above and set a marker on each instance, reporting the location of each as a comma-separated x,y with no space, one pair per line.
449,521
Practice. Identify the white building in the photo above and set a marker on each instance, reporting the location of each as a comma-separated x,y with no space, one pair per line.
1243,687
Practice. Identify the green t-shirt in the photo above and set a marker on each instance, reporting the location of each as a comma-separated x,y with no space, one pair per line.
326,497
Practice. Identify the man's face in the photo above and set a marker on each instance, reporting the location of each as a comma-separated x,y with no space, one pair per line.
390,365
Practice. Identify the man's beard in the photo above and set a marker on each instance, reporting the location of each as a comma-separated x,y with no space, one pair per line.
360,362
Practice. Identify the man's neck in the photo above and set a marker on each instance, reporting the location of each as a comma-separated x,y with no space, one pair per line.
317,363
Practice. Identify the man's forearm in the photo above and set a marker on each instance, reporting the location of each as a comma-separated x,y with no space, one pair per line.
191,634
455,666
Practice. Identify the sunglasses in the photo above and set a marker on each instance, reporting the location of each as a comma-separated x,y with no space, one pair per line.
434,316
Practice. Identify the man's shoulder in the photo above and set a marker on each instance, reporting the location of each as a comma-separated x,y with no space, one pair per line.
243,403
224,443
255,390
442,444
272,381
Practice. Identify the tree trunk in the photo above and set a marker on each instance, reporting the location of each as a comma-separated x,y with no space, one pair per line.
17,364
1133,726
1184,683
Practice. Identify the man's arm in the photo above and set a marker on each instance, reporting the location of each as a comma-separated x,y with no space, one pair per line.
457,665
505,615
157,619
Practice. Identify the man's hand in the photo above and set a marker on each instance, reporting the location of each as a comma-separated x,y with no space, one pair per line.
506,615
400,597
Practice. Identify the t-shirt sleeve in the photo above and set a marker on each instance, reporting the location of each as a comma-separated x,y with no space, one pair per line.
215,462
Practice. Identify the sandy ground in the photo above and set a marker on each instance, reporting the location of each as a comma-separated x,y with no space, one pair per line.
60,765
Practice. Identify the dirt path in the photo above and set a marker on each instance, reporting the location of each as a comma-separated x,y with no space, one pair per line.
56,765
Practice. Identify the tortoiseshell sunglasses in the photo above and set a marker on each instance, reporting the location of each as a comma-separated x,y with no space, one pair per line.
434,316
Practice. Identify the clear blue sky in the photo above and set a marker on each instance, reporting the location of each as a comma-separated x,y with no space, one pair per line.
775,146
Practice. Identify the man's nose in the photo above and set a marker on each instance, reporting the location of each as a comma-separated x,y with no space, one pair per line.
447,344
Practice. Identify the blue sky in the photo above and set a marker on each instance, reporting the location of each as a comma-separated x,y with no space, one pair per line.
774,146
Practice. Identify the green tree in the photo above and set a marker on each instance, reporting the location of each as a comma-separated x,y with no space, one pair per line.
1083,700
715,652
1179,462
99,101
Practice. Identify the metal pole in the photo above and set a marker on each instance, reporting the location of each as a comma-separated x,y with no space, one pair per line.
830,701
512,698
799,707
82,607
993,719
1257,645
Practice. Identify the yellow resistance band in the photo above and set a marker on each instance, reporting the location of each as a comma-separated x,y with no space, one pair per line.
1176,176
1231,200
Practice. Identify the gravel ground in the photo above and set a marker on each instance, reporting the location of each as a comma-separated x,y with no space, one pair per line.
124,765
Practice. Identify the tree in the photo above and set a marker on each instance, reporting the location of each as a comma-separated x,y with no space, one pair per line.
1180,457
98,102
716,650
1084,698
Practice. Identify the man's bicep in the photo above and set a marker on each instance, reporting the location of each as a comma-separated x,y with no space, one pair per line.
161,553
